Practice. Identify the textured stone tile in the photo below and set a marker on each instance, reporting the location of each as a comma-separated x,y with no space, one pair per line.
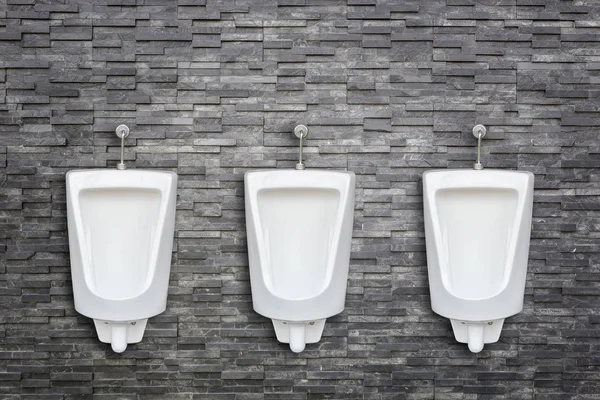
213,89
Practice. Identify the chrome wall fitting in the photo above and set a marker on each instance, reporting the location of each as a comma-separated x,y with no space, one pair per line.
301,131
122,131
479,132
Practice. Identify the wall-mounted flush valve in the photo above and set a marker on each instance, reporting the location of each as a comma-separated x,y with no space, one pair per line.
122,131
301,131
479,132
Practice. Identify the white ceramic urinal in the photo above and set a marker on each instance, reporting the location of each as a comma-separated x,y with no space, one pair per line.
299,226
477,229
121,226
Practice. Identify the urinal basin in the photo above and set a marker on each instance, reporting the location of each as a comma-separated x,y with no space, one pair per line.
299,226
477,227
298,231
476,235
121,226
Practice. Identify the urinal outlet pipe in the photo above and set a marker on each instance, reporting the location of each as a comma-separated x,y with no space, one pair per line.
475,337
118,337
297,336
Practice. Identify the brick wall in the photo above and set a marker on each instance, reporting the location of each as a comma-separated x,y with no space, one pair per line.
211,89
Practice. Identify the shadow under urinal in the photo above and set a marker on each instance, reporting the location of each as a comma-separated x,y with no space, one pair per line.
477,230
299,227
121,226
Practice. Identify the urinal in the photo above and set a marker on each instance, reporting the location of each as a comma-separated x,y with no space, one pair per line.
299,228
121,225
477,230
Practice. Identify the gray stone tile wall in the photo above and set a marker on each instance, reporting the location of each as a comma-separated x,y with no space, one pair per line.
211,89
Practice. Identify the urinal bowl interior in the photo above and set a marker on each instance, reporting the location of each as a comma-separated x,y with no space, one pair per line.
477,231
298,234
121,239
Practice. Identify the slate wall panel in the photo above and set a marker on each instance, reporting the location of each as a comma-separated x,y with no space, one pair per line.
211,89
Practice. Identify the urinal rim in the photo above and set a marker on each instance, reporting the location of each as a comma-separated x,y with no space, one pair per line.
479,173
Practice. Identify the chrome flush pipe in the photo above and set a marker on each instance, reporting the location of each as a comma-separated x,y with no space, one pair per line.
301,131
122,131
479,132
